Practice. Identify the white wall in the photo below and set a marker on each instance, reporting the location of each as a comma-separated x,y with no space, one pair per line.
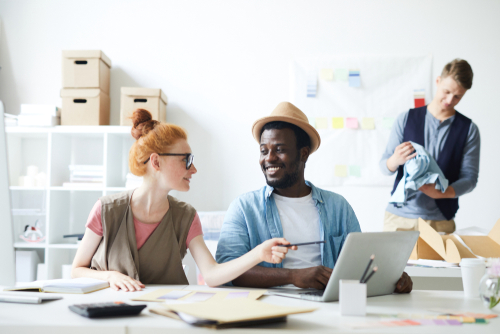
224,64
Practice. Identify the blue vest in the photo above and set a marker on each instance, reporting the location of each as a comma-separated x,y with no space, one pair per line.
450,158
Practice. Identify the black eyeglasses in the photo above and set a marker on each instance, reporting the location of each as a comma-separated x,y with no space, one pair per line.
189,158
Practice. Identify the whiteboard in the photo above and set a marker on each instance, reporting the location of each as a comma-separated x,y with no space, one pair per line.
388,88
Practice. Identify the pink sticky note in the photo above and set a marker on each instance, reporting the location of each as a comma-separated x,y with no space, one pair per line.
351,123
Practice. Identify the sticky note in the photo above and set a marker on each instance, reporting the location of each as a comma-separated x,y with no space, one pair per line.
232,295
200,297
174,295
341,74
355,170
354,79
351,123
326,74
368,123
338,122
312,84
387,122
341,170
321,123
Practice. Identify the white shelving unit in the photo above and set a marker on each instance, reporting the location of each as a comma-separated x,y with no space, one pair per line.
62,210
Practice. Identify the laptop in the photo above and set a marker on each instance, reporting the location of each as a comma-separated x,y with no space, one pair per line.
392,251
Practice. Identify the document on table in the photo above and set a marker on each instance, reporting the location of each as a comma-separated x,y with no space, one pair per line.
193,295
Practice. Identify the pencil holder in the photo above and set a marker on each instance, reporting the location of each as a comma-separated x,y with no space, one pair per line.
352,298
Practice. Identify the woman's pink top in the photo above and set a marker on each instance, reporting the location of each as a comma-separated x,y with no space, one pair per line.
142,230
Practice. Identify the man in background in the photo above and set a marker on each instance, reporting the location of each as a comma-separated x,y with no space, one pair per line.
290,207
451,139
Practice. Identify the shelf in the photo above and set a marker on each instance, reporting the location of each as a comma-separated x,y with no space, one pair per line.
77,188
115,189
29,245
27,188
64,246
36,131
28,212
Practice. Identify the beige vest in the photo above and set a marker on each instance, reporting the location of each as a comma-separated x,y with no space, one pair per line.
159,261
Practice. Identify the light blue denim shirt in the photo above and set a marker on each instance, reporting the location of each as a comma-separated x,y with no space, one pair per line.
435,135
253,218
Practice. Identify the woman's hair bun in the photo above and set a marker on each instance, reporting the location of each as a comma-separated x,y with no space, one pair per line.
142,122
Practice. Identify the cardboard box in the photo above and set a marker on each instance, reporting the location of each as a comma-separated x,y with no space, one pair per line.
85,69
453,248
151,99
84,107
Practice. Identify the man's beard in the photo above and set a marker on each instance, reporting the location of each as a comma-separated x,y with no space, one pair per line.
288,179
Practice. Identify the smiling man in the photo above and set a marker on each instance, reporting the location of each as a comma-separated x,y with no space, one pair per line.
450,137
290,207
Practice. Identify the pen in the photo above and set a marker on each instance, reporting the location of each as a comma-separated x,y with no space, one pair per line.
304,243
371,274
367,267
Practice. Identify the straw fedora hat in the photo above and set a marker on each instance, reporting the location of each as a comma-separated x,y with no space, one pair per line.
287,112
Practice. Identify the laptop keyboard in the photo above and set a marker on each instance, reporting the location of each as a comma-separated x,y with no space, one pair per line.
315,293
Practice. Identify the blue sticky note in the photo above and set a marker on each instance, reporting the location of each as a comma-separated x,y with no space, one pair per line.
354,79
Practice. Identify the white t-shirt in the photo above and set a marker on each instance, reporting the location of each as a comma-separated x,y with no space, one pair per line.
300,220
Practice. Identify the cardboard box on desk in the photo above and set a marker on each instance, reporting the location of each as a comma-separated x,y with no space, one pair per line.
151,99
450,248
85,69
84,107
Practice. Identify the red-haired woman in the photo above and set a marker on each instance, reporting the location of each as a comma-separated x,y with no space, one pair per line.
140,236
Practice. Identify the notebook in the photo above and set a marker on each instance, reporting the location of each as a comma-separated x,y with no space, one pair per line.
76,285
26,297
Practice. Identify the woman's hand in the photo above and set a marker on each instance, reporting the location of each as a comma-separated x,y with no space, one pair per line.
119,281
270,250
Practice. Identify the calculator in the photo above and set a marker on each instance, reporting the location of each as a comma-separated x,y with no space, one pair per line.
112,309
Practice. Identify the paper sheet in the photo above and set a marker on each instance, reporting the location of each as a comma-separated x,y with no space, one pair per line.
351,123
354,78
355,171
387,122
218,294
341,74
338,122
368,123
340,170
326,74
321,123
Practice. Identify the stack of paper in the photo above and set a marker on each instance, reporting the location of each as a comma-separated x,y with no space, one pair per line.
39,115
85,175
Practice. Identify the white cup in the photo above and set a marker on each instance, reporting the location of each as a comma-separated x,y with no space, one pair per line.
472,272
32,170
66,271
352,297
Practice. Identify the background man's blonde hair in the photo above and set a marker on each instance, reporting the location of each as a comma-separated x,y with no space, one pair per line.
460,71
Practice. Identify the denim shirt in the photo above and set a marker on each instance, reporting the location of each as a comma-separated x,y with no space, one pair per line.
253,218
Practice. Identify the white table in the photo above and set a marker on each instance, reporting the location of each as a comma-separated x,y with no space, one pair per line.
449,279
55,317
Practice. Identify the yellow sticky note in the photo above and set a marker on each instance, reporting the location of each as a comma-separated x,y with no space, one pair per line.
368,123
326,74
321,123
338,122
340,170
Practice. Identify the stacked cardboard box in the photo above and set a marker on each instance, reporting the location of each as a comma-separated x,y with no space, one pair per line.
151,99
85,93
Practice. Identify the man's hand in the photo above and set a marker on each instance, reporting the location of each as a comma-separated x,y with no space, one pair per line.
402,154
404,285
314,277
431,191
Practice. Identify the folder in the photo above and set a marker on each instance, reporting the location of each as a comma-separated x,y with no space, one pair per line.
229,313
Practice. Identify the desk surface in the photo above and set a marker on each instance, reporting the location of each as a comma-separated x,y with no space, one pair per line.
55,317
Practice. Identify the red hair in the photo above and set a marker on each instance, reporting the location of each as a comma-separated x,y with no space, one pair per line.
151,137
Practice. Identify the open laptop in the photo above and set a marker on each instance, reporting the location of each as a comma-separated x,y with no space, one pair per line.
392,251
